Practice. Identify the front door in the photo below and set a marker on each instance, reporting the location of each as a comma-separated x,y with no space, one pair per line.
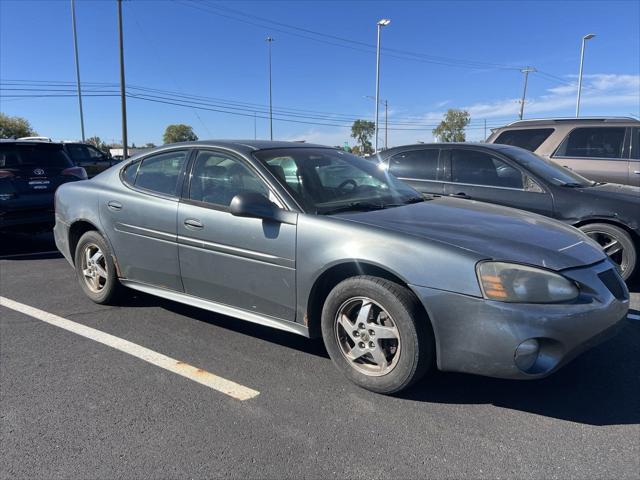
479,175
246,263
420,168
140,216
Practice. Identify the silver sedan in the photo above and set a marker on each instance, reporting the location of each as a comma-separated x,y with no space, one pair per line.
318,242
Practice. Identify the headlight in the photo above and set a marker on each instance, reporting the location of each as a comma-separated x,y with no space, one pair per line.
510,282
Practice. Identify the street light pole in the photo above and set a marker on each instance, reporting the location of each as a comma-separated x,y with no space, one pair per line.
270,41
386,124
381,23
123,99
75,49
526,72
584,41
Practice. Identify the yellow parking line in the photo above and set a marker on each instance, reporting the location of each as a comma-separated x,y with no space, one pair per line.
232,389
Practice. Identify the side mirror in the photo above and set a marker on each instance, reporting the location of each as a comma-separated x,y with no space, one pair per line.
256,205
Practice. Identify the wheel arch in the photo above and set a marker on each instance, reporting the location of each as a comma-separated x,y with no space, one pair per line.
635,235
76,230
335,274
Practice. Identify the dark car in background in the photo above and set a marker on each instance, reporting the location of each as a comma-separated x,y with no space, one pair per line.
92,159
30,173
604,149
514,177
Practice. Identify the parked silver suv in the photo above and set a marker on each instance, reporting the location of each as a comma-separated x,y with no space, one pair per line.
605,149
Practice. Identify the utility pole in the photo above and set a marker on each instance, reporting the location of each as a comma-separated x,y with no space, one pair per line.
381,23
386,123
485,130
526,72
584,41
255,128
123,98
75,49
270,41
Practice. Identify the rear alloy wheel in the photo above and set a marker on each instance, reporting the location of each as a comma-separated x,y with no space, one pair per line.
95,268
377,334
616,243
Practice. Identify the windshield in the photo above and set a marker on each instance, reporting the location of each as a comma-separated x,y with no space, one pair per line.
327,181
43,155
548,170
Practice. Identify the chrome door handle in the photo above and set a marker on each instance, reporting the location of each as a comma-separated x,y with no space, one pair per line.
114,205
193,224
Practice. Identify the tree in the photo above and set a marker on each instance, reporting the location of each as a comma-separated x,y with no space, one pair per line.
179,133
98,143
362,131
451,128
15,127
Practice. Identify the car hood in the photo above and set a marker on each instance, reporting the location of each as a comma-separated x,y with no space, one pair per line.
615,191
491,231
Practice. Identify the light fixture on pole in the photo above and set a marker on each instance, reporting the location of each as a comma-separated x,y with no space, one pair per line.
75,50
123,99
270,41
381,23
526,72
589,36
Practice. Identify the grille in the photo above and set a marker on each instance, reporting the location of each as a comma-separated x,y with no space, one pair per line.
614,283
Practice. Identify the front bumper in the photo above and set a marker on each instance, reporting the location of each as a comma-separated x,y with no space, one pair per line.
479,336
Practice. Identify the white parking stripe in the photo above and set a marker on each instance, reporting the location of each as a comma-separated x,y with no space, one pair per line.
36,254
235,390
633,316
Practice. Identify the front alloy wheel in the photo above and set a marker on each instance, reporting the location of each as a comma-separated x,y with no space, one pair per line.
367,336
377,333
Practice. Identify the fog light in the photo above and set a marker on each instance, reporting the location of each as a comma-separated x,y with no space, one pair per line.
526,354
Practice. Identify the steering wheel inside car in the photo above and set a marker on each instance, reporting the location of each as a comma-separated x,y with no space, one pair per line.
349,181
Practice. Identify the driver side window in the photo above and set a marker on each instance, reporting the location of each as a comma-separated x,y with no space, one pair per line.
217,178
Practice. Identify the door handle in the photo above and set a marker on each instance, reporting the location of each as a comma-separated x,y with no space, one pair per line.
637,172
193,224
114,205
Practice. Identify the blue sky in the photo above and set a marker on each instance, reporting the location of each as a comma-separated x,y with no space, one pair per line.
466,49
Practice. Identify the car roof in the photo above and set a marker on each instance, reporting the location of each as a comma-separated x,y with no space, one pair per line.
29,142
246,146
417,146
570,120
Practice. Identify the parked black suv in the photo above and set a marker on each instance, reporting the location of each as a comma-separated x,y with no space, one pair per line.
30,172
92,159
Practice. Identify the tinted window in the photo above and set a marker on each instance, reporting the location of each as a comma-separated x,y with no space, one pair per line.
529,139
160,173
635,144
130,172
478,168
83,153
41,155
420,164
217,178
593,142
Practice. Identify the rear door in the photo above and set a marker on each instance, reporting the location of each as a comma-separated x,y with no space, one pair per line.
420,168
488,177
598,153
140,218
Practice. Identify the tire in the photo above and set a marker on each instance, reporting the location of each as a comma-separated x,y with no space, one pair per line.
106,289
391,311
604,234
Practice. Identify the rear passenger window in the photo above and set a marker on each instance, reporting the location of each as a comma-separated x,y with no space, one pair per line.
129,173
416,164
529,139
160,173
593,142
635,144
478,168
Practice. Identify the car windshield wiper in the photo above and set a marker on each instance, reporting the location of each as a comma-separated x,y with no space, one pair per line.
574,185
415,200
354,206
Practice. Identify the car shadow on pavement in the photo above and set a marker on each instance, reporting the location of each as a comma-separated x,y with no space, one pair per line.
600,387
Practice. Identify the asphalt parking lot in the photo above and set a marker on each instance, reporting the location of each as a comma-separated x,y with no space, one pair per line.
74,408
